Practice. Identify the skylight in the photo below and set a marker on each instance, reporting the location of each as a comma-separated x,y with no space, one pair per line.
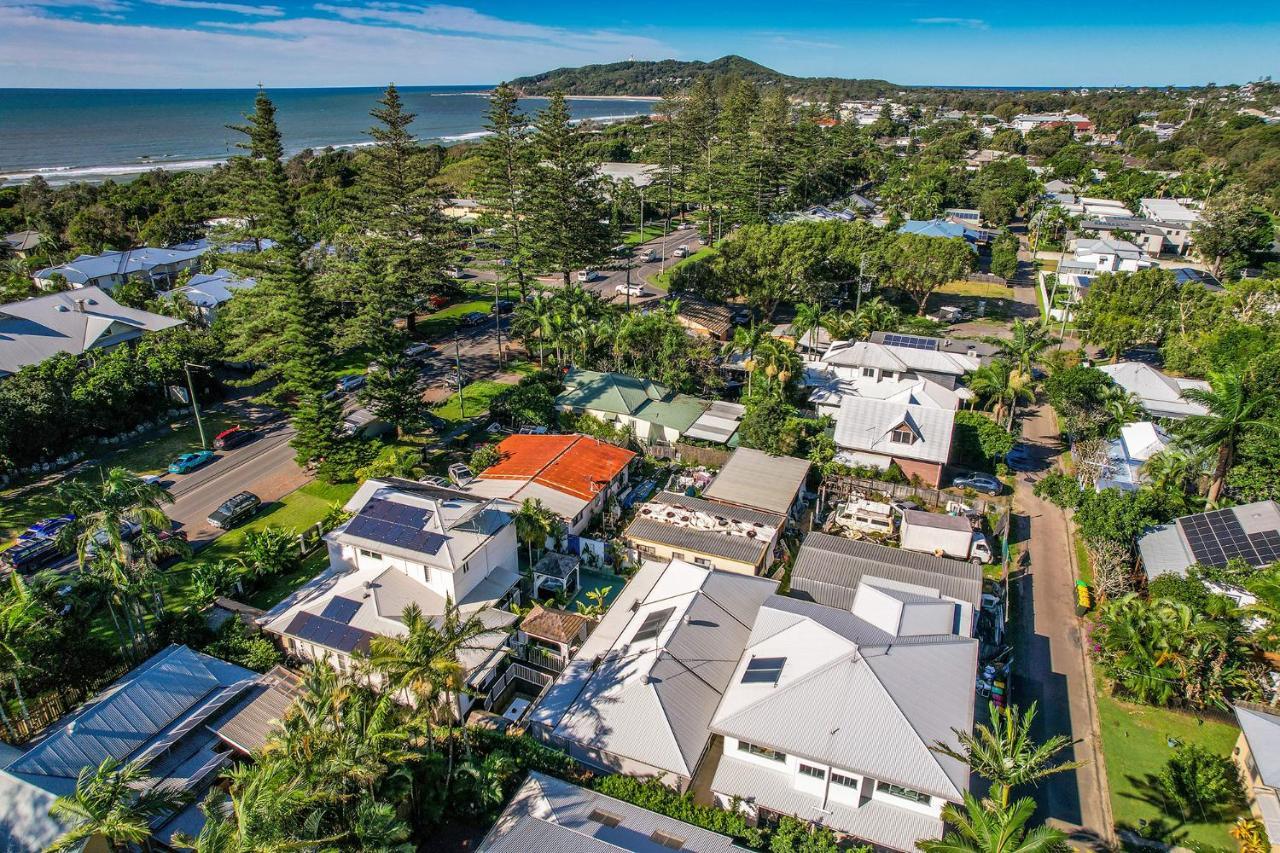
653,624
763,670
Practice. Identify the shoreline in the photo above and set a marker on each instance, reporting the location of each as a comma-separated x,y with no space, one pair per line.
653,99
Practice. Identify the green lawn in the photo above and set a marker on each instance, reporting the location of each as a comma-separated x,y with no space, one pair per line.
477,396
19,507
1135,744
1044,311
442,323
635,238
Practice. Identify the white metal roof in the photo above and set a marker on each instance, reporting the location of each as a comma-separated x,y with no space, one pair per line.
866,425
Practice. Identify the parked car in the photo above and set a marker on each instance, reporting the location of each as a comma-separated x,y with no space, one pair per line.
473,318
503,306
629,290
648,256
620,251
418,350
587,275
680,252
234,437
702,239
235,510
46,528
433,302
455,272
979,482
347,384
170,544
27,557
1020,458
188,462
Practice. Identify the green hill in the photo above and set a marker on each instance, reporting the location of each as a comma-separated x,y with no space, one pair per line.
672,75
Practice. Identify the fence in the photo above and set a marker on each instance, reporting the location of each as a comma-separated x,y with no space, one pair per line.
986,278
540,657
837,488
711,457
515,671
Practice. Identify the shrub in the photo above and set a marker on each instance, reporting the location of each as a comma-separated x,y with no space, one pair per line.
1201,784
236,644
653,795
980,441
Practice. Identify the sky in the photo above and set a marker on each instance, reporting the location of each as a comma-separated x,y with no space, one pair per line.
231,44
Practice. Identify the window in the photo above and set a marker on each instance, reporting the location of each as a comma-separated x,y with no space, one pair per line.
902,435
372,555
677,555
668,841
761,751
869,372
844,781
903,793
465,567
702,561
812,772
646,549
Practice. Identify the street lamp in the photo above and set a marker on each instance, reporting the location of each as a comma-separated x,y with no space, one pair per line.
195,407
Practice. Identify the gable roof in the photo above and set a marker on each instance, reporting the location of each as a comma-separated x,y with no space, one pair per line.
753,478
649,697
577,465
1160,394
547,814
619,394
864,424
1168,548
855,697
69,322
829,568
899,358
712,316
552,623
719,423
209,290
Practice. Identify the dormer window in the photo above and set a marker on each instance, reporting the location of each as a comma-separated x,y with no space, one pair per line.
902,434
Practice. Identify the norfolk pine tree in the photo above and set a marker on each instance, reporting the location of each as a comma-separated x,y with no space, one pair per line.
502,182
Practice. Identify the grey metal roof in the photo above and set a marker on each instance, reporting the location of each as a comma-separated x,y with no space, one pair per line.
744,514
874,821
905,693
936,520
1161,394
753,478
1165,548
256,716
954,346
547,814
726,545
718,423
1262,730
828,569
864,424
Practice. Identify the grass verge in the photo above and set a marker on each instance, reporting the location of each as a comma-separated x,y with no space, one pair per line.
979,289
475,398
663,279
635,238
1135,741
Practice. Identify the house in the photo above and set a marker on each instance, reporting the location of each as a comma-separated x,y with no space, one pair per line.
703,318
1108,256
897,358
1126,455
406,544
1168,210
73,322
639,696
160,266
878,433
755,480
462,209
828,570
1250,532
811,344
674,526
175,714
980,350
1160,394
548,814
828,394
554,631
830,715
1090,207
572,475
210,291
655,414
1148,236
946,228
1257,755
23,243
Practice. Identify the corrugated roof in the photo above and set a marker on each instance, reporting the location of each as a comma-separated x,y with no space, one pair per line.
728,546
715,318
828,569
1262,730
578,465
900,358
258,715
753,478
867,425
619,394
937,520
1160,394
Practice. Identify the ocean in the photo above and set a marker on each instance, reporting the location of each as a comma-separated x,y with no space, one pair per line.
70,135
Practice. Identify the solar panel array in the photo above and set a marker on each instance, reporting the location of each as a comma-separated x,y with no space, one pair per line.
1216,537
894,339
653,624
328,633
763,670
341,609
395,524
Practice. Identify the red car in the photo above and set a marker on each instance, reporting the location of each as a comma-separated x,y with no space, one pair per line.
233,437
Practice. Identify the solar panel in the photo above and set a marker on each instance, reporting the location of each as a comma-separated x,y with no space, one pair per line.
341,609
376,529
1216,537
327,633
653,624
396,513
763,670
894,339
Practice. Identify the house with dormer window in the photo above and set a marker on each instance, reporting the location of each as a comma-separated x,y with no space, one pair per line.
878,433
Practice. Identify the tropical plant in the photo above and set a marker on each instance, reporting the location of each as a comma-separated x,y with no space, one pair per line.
1005,754
114,802
1201,784
397,462
1001,386
1234,408
983,827
268,552
1029,340
1251,835
599,602
533,525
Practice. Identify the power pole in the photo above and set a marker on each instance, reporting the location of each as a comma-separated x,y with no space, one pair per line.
195,407
497,317
457,362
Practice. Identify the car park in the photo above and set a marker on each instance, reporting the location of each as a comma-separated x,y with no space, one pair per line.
629,290
188,462
587,275
46,528
235,510
233,437
979,482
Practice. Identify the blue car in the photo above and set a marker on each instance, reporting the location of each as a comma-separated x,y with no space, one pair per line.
46,528
188,462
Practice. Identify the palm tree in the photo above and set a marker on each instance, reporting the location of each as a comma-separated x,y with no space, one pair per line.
532,526
398,462
1004,752
255,817
984,828
1122,407
1002,386
22,619
1028,341
115,802
1234,406
777,361
1172,473
534,317
744,342
810,318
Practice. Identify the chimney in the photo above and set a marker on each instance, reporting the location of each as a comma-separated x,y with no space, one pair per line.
80,305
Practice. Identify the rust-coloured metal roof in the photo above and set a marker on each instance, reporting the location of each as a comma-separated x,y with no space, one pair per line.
574,464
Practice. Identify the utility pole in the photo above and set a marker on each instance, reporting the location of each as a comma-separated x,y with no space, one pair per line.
497,317
862,282
457,361
195,407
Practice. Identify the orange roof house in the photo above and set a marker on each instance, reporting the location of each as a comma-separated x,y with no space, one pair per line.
572,475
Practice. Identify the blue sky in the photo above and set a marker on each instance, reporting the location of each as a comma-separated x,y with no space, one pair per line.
228,43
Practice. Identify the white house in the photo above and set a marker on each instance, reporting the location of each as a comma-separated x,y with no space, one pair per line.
1110,255
1126,455
1161,395
210,291
160,266
879,433
1168,210
830,714
407,544
899,358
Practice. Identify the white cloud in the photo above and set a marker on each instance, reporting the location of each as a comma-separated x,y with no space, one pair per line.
98,5
970,23
212,6
43,50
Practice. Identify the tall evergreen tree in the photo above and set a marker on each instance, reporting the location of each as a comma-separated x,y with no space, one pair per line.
503,181
567,197
737,177
697,124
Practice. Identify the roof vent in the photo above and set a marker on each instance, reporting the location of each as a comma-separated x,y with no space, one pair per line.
64,309
80,305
